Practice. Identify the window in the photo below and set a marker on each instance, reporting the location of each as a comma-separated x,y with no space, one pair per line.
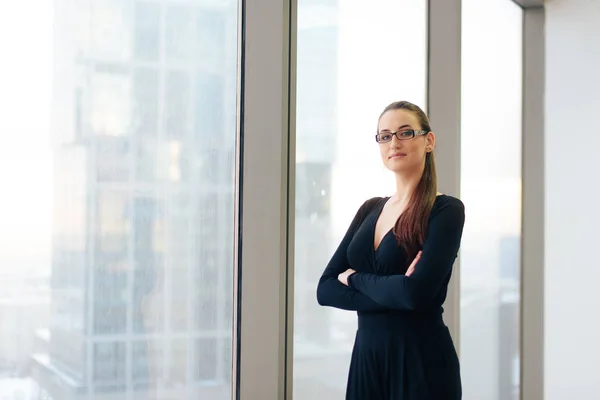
491,137
179,34
210,35
109,362
117,234
110,103
112,155
313,182
145,102
208,108
177,104
346,75
147,30
112,35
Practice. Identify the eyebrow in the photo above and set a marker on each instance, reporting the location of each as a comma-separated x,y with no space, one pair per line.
402,127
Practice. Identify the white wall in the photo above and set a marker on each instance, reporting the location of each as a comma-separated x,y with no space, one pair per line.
572,145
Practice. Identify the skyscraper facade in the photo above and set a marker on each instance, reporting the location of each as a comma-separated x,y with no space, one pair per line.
144,138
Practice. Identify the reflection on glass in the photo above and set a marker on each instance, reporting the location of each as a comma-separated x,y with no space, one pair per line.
491,190
116,241
145,101
147,30
178,27
347,72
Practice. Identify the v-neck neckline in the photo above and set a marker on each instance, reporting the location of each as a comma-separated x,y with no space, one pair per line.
377,215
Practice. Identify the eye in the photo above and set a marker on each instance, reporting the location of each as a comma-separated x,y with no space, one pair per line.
384,137
407,134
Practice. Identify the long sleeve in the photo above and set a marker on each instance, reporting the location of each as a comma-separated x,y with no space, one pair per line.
333,293
438,255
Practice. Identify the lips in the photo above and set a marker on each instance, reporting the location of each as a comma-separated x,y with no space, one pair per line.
397,155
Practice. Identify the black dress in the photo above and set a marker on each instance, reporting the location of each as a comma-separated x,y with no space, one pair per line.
403,349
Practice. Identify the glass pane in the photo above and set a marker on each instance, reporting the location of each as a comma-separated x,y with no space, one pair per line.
147,30
348,71
117,160
491,190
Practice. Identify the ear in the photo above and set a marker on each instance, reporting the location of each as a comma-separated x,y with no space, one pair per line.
430,142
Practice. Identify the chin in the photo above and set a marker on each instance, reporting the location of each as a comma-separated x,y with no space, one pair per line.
399,166
395,163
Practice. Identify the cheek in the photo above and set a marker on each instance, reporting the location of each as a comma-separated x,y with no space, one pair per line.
383,151
418,149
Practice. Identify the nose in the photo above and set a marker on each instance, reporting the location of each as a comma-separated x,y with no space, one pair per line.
395,142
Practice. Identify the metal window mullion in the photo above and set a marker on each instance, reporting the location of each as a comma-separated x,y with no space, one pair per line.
532,224
291,193
93,232
262,201
161,71
443,107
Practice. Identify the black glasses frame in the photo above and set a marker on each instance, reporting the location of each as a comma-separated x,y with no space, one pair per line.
405,135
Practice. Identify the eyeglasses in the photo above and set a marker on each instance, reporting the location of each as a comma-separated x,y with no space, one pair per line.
384,137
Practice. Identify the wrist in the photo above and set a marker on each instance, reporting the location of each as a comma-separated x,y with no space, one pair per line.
349,279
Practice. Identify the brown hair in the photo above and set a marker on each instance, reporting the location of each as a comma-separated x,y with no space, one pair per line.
411,226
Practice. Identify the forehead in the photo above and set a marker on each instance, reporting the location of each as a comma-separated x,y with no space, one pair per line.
394,119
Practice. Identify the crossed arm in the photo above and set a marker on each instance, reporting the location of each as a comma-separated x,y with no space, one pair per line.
372,292
330,291
434,266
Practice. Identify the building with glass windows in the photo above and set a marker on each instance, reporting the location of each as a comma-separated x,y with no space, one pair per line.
143,141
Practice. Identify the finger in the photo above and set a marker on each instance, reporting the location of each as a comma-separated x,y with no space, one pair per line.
411,267
415,261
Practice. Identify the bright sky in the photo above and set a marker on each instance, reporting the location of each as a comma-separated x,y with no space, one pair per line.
25,99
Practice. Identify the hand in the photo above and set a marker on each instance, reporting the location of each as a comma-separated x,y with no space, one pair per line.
343,277
411,267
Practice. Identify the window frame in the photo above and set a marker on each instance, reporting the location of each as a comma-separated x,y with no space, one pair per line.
265,201
532,217
265,181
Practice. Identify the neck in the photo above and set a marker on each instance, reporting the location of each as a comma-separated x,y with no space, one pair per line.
406,183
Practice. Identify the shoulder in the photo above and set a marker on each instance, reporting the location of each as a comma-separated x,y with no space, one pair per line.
448,206
368,206
373,202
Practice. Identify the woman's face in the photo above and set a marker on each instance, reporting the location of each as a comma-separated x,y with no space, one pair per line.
403,155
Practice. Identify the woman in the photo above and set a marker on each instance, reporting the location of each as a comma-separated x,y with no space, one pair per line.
393,267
